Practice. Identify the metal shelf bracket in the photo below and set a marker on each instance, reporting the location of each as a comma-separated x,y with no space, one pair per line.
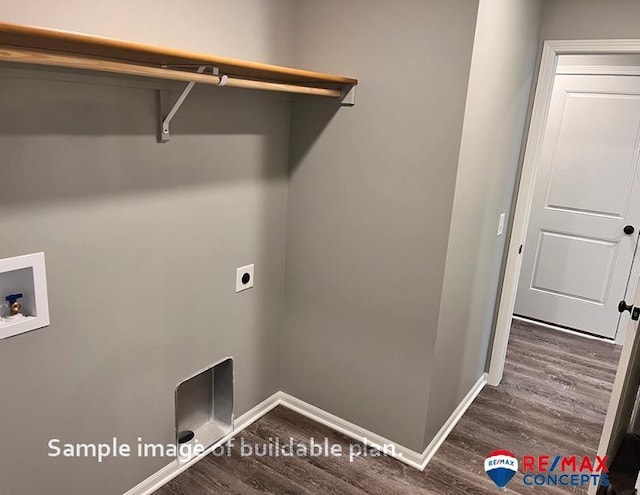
348,97
165,119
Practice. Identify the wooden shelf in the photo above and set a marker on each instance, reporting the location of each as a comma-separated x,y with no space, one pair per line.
43,46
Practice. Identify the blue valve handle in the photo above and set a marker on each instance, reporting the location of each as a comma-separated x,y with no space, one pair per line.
12,298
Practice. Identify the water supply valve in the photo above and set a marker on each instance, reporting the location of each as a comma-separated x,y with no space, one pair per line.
14,306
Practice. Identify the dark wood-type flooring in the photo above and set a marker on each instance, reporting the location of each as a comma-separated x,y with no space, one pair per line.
552,401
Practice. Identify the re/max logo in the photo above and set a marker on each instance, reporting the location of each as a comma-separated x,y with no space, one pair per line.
502,462
573,464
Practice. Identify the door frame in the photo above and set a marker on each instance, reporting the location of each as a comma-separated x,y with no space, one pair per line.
623,394
552,49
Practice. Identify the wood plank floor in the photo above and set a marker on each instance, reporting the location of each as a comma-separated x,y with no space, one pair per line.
552,400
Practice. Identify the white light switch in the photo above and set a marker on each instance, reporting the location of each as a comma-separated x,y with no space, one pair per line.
501,224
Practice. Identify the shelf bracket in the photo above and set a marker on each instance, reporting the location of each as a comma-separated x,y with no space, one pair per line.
348,97
165,120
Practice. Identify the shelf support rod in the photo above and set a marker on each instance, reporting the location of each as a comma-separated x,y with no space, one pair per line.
165,135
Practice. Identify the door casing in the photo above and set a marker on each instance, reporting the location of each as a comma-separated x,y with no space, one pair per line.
623,396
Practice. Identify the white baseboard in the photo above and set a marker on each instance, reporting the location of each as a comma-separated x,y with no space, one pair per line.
418,460
354,431
412,458
456,416
156,480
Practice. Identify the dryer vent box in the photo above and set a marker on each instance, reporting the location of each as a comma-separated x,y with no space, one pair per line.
204,407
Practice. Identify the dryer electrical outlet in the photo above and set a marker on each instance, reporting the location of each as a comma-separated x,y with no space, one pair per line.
244,278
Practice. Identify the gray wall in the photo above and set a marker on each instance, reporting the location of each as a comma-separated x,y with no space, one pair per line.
141,239
591,19
502,70
370,201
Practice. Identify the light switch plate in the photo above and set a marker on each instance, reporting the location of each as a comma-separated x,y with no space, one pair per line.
501,224
244,278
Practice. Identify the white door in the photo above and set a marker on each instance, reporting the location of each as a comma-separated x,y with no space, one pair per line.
577,256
